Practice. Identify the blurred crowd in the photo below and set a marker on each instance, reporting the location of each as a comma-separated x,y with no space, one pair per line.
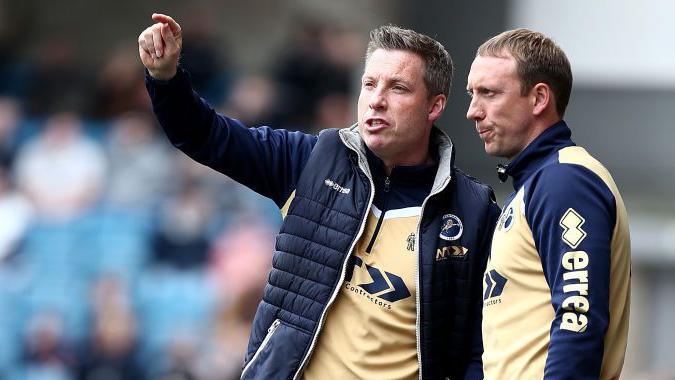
120,258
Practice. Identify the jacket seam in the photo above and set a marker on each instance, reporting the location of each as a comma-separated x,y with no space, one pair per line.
302,278
319,224
325,205
298,294
289,312
311,242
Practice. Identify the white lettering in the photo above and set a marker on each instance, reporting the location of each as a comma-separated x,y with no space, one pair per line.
581,275
581,288
573,322
575,319
575,260
576,303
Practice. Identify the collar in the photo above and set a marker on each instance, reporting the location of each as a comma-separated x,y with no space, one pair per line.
440,144
406,175
549,142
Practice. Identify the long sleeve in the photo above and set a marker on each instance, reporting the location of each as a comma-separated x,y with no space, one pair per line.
572,214
266,160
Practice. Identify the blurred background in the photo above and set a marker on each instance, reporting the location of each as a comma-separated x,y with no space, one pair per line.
122,259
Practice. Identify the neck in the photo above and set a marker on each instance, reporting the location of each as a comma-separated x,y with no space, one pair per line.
537,129
389,165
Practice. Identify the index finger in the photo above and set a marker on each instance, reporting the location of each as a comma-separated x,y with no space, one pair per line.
175,28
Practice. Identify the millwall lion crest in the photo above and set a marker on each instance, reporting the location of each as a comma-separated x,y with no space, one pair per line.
452,227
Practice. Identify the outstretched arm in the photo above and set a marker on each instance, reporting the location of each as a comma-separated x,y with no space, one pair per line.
266,160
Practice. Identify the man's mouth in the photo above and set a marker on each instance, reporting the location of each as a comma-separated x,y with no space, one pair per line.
484,132
376,123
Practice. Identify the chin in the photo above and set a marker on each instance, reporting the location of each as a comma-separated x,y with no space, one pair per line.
374,143
491,150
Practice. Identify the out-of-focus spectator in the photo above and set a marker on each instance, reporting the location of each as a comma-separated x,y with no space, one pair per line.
56,81
241,257
181,239
61,170
119,86
15,215
111,352
139,162
10,116
319,62
222,357
46,354
333,111
210,74
253,100
182,355
227,198
240,260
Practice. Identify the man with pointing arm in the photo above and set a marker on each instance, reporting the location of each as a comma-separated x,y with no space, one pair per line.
377,266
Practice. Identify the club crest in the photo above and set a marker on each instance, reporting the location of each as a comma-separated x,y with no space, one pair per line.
506,220
452,227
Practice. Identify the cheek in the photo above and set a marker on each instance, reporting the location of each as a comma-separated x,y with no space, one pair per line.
361,107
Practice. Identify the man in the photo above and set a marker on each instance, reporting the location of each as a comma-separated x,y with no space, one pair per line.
378,264
557,285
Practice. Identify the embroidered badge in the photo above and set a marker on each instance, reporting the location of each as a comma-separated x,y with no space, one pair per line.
452,227
411,242
506,220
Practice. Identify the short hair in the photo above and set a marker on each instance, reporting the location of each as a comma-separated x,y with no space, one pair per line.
438,64
538,60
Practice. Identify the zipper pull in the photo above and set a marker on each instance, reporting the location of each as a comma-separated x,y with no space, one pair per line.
386,184
273,326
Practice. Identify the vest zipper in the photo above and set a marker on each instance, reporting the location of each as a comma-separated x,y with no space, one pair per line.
387,182
364,167
270,332
418,243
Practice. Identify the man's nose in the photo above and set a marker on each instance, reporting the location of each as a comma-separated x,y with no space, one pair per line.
377,99
475,112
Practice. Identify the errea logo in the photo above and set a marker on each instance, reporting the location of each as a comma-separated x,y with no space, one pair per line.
571,223
335,186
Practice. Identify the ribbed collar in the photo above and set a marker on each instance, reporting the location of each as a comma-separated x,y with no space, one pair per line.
549,142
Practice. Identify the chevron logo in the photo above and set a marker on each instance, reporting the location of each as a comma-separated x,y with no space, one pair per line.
451,251
494,284
384,285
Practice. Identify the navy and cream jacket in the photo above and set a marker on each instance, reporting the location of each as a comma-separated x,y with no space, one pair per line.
557,284
332,189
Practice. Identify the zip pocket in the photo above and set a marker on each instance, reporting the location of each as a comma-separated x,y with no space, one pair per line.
270,332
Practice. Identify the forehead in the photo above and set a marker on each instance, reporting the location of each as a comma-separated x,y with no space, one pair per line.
394,62
487,69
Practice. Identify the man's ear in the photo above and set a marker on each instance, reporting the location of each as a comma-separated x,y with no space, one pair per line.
437,106
542,98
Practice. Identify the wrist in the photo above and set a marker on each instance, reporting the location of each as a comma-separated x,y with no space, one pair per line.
163,75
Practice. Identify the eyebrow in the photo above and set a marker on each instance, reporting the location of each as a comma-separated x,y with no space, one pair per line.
393,79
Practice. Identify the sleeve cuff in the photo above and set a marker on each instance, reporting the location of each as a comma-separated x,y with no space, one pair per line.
180,73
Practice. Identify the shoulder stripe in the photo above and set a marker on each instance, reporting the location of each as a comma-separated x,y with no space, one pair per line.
397,213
